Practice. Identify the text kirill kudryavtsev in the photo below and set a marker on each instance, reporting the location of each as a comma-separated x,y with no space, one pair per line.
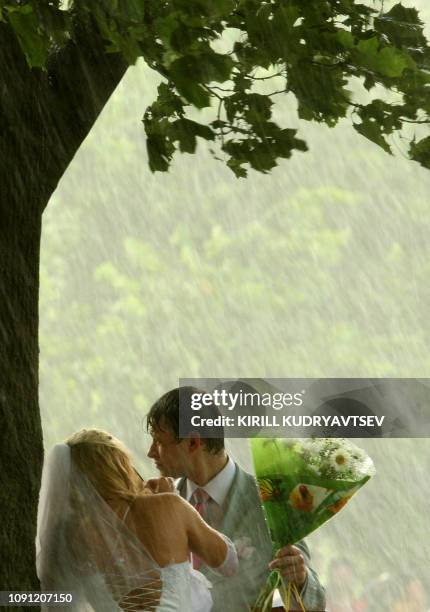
275,420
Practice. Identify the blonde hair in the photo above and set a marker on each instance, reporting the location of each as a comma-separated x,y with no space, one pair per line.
106,462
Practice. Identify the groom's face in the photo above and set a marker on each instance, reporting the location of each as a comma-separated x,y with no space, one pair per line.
169,454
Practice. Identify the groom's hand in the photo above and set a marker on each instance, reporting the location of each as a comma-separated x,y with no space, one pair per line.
161,485
291,563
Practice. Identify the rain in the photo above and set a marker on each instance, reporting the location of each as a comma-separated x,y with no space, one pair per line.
317,269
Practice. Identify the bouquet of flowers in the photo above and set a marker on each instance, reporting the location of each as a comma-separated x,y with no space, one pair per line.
303,483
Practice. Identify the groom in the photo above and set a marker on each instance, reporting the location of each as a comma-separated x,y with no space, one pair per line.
228,499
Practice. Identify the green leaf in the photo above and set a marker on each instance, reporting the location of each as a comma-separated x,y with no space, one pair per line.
262,157
258,107
168,102
32,40
387,61
320,92
237,168
286,142
160,152
403,27
135,10
401,14
213,9
174,33
186,131
215,67
420,152
191,90
190,72
199,129
130,49
345,38
187,139
202,67
370,129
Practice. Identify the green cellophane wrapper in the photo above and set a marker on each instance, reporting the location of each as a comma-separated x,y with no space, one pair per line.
303,483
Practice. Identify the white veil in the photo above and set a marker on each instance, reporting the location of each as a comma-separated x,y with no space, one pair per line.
83,548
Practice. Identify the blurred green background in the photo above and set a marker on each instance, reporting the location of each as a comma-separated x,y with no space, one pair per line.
319,269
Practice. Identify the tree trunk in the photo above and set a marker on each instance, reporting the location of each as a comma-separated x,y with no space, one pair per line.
44,117
21,447
21,451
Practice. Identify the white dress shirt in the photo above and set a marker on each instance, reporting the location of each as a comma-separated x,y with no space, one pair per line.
218,487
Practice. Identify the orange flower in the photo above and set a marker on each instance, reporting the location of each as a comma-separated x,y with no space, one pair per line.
339,504
302,499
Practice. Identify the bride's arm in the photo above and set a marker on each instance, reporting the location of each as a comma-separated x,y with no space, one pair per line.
215,549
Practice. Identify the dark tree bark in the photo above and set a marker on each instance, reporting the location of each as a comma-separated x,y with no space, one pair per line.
44,117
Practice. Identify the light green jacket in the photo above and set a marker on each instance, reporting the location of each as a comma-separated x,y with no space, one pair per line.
244,523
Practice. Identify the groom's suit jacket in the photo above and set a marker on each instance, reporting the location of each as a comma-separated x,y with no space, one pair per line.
243,522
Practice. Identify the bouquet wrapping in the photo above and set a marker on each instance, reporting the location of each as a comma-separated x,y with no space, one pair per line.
303,483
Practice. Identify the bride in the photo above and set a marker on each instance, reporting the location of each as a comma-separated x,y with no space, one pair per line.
105,537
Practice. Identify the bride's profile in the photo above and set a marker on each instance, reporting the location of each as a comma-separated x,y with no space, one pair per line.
105,537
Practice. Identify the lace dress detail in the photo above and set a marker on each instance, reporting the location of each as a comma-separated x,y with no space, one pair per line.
177,587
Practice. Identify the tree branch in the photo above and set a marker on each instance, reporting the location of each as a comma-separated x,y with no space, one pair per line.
80,79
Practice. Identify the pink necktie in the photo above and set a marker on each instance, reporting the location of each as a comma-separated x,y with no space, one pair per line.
200,500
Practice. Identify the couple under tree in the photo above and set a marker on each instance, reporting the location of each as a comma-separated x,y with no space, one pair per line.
118,542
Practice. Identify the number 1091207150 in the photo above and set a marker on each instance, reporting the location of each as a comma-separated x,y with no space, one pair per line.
13,598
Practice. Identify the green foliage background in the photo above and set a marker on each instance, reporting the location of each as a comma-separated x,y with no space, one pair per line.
319,268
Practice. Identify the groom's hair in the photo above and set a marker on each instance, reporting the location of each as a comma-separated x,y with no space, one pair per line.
164,413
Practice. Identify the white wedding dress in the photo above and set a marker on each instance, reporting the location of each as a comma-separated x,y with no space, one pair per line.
184,588
84,548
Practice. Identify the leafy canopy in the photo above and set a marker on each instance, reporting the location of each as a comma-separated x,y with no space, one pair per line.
223,55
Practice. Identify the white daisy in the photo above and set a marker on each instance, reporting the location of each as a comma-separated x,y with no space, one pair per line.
340,460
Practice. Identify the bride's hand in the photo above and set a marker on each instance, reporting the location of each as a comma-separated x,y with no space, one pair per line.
164,484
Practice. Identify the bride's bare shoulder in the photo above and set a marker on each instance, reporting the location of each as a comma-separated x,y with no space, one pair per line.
160,523
163,503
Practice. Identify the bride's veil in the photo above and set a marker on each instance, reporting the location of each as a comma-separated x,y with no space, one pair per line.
85,549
